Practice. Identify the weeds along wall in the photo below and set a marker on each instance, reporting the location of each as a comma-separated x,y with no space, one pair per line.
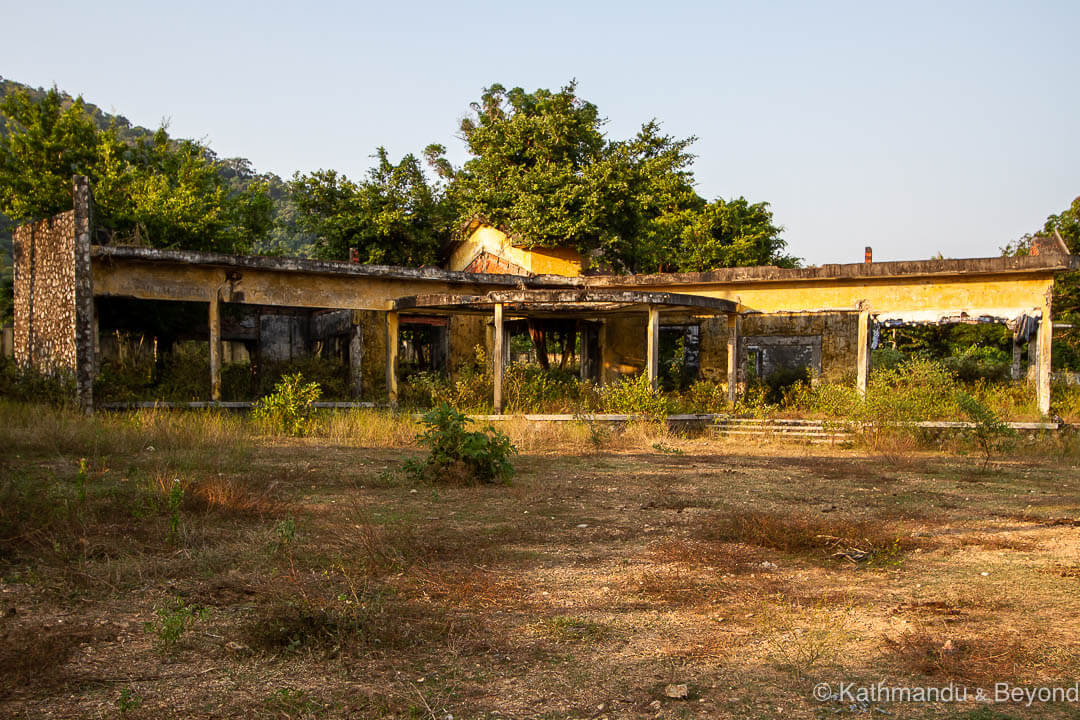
464,334
830,340
53,294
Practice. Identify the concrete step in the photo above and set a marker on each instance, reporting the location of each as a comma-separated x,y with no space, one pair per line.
810,431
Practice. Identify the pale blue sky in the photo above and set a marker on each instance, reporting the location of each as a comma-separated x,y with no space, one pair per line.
916,127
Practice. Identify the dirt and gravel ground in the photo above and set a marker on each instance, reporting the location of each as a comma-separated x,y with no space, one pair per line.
312,579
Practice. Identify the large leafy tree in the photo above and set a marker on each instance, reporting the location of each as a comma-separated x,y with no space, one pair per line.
394,216
1066,300
150,189
542,169
733,233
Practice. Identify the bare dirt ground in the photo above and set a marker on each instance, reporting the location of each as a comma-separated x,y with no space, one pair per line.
303,579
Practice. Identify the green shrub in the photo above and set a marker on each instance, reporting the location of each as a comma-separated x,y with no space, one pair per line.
833,400
331,375
173,620
779,381
530,389
185,373
887,357
919,389
459,454
130,373
469,388
980,363
288,409
29,385
991,432
634,396
706,396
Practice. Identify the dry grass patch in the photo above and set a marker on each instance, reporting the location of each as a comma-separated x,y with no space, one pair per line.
821,536
1000,542
725,557
802,637
472,588
573,629
1002,657
673,587
334,614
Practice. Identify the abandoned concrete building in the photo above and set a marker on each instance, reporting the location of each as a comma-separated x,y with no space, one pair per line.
733,323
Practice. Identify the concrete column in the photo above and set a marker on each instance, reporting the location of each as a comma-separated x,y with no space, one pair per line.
95,334
356,358
391,357
862,367
601,352
583,356
1042,371
1016,369
215,347
498,358
652,349
733,359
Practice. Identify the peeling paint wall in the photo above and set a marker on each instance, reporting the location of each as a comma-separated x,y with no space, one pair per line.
623,346
373,367
466,333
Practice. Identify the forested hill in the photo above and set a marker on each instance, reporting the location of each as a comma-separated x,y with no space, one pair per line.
102,118
236,171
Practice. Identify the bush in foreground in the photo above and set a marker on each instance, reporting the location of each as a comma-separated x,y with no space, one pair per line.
460,454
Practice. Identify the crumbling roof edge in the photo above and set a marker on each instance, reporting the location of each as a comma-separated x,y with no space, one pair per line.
852,271
1046,263
301,265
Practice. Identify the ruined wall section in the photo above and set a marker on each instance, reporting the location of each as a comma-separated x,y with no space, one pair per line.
467,332
373,367
54,294
623,346
713,349
835,333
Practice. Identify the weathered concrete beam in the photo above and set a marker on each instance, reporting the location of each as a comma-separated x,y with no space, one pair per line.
549,299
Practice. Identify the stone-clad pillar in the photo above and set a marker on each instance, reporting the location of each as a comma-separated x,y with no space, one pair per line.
85,322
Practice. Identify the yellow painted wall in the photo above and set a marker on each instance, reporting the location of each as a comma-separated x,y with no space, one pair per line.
538,261
983,294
